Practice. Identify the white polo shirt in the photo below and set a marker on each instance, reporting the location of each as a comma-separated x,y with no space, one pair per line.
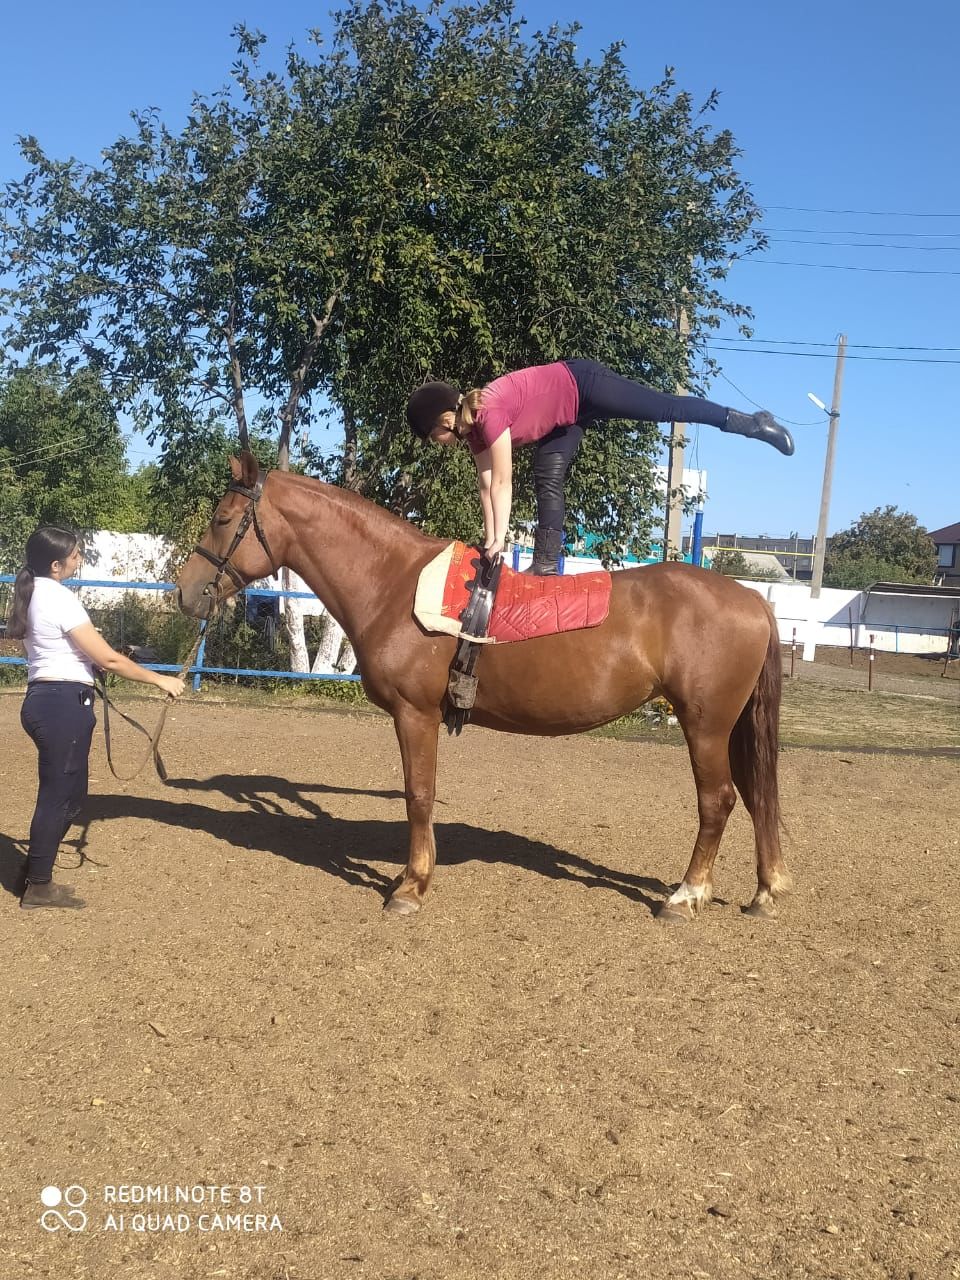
51,654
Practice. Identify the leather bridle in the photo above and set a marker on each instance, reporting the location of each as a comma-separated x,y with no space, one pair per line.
222,563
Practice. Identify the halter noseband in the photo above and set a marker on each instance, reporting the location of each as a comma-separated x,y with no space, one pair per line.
222,563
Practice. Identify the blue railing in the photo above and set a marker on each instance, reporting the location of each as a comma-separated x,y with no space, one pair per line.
198,667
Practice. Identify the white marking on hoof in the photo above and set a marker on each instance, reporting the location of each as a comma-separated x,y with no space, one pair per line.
781,882
694,897
401,907
762,906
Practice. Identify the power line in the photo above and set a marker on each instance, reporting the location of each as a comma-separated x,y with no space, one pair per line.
849,231
825,355
859,346
758,405
866,213
833,266
58,450
852,244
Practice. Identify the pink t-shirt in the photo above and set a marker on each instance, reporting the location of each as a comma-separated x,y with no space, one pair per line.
530,402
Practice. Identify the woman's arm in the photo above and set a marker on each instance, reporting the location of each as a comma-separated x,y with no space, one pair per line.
484,478
90,642
495,474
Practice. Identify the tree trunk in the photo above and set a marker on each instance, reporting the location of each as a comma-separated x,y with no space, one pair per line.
325,663
351,476
293,622
348,659
292,612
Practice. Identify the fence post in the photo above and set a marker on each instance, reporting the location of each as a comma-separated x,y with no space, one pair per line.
870,665
198,663
793,652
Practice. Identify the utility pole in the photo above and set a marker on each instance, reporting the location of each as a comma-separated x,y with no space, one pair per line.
834,415
672,535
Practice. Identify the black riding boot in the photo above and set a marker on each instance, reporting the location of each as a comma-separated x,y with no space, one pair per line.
759,426
547,545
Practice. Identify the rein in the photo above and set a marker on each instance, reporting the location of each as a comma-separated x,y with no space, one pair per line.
153,748
223,566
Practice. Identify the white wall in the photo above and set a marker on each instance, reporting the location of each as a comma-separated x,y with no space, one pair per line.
898,624
125,557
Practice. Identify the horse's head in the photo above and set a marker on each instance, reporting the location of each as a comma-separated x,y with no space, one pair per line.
234,550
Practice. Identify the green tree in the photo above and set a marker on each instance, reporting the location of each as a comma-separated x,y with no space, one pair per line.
185,484
884,545
434,193
62,459
734,564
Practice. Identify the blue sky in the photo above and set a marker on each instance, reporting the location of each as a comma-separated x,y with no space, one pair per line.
835,107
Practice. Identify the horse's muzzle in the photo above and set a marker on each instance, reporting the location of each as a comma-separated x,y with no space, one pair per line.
196,602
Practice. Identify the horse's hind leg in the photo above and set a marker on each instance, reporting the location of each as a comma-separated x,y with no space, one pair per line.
417,735
716,797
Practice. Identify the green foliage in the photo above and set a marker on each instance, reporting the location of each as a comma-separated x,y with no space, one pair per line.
187,482
62,459
232,641
884,545
734,564
435,193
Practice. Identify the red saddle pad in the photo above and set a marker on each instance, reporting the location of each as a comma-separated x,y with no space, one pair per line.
528,606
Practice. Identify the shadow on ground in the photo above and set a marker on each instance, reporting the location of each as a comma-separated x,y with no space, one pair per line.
261,820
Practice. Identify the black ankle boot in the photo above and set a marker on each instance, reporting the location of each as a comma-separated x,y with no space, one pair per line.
50,895
759,426
547,545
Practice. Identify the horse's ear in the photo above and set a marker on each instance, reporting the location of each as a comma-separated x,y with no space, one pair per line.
250,468
245,469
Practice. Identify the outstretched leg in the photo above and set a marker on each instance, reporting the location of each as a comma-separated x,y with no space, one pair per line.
716,797
417,734
605,394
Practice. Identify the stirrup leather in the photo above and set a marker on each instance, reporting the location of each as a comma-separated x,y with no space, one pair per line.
475,620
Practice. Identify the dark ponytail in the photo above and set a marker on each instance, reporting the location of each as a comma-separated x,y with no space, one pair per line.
46,544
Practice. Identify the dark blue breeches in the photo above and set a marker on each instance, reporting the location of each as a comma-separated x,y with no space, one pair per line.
605,394
59,717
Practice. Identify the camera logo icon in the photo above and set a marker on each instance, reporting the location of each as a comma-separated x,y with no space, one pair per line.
72,1218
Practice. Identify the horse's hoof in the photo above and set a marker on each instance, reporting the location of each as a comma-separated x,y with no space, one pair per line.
674,913
761,910
401,907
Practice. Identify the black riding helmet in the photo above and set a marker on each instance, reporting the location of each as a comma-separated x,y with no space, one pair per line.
426,405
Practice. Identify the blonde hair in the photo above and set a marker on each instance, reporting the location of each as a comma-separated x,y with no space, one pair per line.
469,404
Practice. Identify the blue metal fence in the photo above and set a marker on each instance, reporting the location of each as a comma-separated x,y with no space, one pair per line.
198,669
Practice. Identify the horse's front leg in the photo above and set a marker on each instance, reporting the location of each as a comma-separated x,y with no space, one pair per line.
417,732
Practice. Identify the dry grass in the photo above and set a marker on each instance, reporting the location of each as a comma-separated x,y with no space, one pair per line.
818,715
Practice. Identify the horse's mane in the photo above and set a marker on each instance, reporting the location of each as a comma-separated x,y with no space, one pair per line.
378,520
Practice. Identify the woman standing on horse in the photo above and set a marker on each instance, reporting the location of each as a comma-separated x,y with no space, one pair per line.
549,406
63,648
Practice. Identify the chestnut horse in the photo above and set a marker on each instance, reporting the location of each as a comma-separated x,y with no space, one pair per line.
697,638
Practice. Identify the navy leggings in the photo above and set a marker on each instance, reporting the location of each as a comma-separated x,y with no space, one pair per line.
605,394
59,717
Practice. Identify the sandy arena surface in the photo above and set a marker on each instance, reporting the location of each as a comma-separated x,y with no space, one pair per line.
532,1078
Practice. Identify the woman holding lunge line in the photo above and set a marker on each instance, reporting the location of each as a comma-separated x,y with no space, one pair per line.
63,648
549,406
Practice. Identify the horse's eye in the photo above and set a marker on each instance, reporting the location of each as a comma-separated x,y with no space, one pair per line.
221,520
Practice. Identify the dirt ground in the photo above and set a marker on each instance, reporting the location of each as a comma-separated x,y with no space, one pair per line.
925,674
532,1078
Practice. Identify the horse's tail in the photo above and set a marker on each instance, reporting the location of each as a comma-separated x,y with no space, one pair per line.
754,745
